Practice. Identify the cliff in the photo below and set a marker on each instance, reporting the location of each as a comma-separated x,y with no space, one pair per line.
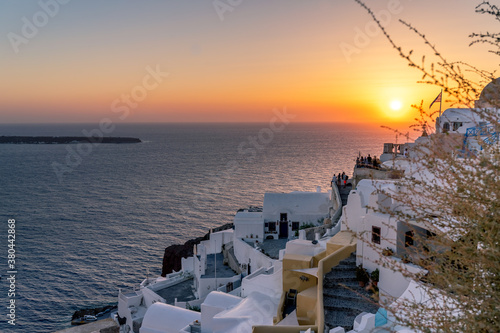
174,253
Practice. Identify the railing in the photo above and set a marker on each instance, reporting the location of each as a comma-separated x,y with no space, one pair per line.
480,131
492,139
492,136
125,295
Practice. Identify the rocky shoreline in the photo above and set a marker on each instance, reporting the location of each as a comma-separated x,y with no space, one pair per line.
65,139
174,253
98,312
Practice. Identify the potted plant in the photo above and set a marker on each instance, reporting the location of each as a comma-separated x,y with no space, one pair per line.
375,295
362,275
375,277
387,252
405,259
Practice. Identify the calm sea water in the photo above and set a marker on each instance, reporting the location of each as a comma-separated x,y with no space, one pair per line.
108,219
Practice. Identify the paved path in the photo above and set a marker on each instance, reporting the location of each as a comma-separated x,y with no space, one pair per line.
344,193
343,298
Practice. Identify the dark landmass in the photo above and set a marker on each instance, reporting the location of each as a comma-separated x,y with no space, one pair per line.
98,312
64,139
174,253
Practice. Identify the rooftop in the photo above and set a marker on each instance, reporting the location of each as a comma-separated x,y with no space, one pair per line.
182,291
223,271
272,247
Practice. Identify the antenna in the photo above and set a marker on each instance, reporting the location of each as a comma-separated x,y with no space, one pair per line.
215,257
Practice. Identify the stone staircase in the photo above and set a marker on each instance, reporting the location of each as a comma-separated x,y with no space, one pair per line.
344,193
343,298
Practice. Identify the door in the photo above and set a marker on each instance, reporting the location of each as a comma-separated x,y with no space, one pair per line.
284,229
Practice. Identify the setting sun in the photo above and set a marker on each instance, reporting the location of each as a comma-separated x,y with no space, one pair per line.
396,105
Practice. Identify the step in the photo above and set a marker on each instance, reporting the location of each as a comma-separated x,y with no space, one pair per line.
367,305
343,267
344,319
336,274
343,298
352,283
346,293
350,259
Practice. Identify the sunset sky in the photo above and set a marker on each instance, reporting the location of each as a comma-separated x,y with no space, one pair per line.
222,61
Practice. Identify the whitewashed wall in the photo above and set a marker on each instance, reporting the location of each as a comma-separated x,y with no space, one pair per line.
269,284
392,283
207,285
150,297
187,264
353,212
217,239
245,253
367,252
249,231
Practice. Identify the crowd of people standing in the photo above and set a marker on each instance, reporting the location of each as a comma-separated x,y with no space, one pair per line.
367,162
361,162
340,179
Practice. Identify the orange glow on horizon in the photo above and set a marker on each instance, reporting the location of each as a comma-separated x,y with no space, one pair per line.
237,70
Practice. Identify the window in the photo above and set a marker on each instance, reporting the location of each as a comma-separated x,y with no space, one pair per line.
408,238
446,127
295,226
376,235
456,125
283,217
272,226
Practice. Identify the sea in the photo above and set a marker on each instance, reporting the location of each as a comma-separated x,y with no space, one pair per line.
93,218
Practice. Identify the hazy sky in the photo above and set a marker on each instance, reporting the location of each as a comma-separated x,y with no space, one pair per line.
222,60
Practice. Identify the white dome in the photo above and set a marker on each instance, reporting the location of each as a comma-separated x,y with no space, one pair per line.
164,318
220,299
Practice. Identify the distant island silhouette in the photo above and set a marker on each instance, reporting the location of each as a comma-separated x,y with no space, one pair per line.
65,139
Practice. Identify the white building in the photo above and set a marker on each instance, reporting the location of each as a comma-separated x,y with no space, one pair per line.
284,213
215,303
256,309
210,272
457,120
248,224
